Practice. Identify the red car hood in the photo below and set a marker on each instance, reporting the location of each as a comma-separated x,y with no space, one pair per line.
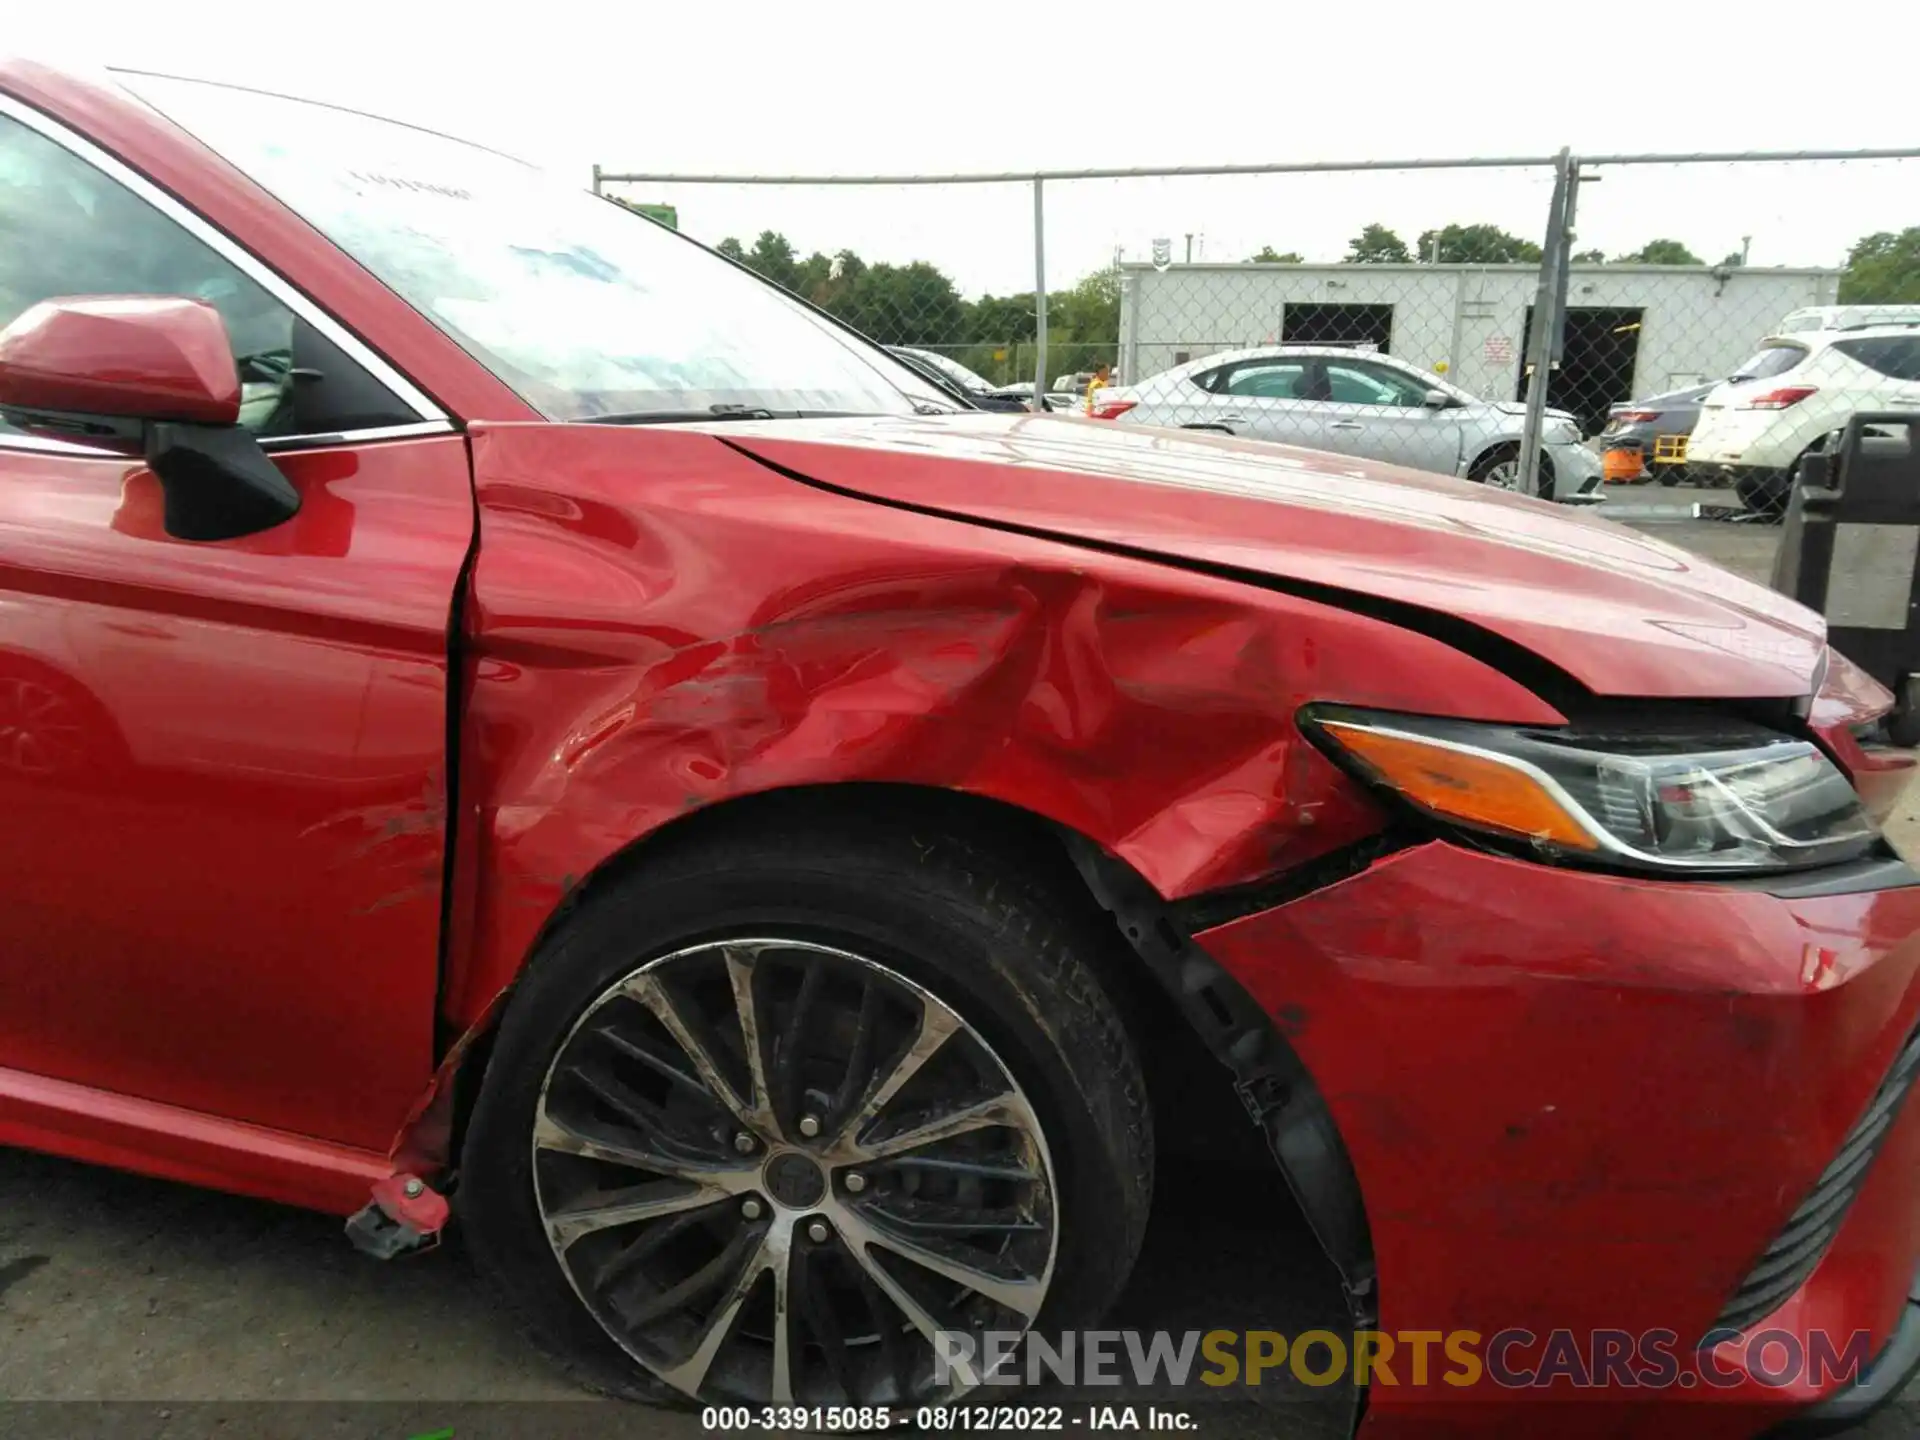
1621,612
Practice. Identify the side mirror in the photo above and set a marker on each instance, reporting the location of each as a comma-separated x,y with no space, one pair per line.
1437,400
156,375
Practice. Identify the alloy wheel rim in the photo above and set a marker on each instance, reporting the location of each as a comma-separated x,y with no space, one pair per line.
1505,475
772,1170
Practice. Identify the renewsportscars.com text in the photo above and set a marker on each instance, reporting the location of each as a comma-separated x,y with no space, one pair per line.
1461,1359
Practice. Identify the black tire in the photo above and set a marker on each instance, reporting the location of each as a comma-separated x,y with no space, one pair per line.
1672,475
1769,492
1499,455
1765,494
995,944
1903,725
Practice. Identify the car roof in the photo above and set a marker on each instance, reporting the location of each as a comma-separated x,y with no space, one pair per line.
1874,332
1259,352
1830,313
1277,352
1817,339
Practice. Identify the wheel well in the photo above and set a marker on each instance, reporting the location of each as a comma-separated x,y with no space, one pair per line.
1006,828
1192,1053
1032,840
1500,450
1492,453
1054,853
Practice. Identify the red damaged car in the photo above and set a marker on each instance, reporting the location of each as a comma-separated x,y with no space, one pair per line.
502,712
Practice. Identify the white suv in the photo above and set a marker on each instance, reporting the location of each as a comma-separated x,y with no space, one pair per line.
1795,391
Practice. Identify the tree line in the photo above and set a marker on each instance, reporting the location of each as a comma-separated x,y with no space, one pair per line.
917,304
1882,268
1487,245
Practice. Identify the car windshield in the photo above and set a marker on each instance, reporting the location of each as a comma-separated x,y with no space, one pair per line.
954,370
584,308
1421,380
1770,360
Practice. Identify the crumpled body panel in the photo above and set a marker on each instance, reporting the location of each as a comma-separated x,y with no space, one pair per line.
659,623
1586,1103
1620,611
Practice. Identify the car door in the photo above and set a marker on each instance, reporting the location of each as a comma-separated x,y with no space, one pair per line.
223,766
1269,399
1380,412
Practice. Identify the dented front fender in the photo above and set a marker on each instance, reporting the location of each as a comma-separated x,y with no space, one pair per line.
658,623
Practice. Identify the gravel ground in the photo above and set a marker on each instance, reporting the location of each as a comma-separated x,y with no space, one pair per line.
136,1308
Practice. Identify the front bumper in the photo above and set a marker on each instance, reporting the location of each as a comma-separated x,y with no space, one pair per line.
1577,474
1879,1386
1583,1103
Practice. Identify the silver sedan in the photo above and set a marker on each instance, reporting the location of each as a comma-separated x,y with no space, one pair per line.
1358,403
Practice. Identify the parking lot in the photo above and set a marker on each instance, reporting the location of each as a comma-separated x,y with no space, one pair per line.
1746,549
131,1307
191,1309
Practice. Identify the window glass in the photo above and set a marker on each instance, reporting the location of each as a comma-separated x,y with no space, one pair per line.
1286,380
1770,360
1895,356
583,307
956,372
68,229
1357,384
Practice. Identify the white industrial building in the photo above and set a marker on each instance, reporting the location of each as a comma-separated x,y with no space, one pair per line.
1633,330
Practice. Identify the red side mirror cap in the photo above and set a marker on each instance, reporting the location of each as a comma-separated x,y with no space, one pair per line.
132,357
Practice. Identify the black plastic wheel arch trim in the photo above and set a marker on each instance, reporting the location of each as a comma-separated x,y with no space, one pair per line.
1279,1095
1876,1387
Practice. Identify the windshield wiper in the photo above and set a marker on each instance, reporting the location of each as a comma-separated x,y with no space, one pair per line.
675,417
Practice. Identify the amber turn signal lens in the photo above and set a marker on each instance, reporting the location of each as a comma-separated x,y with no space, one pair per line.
1464,785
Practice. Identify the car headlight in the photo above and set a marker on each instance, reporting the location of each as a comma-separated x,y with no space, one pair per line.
1732,797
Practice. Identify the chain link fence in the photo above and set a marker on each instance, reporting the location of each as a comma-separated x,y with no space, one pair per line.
1771,296
1543,323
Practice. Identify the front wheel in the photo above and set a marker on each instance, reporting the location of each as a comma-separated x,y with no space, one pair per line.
1903,725
1765,492
1499,469
764,1120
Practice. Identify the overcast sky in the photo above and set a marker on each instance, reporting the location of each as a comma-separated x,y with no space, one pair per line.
866,86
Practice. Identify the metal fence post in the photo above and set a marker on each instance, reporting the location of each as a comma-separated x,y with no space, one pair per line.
1459,322
596,179
1570,208
1540,335
1129,366
1039,292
